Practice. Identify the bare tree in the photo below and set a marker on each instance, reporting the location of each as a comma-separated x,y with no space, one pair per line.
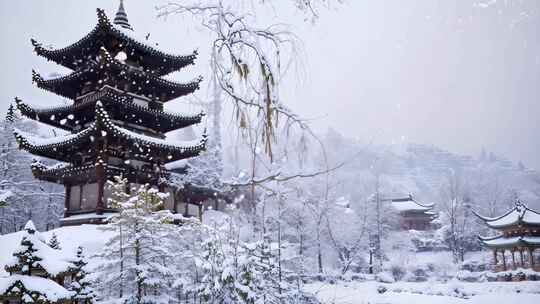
457,202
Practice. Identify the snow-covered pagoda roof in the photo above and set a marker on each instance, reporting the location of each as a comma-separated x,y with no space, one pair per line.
121,106
30,285
113,72
500,241
51,260
519,215
409,204
108,34
65,173
139,146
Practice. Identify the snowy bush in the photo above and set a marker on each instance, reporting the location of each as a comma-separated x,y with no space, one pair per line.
427,241
418,274
473,266
385,277
398,271
468,276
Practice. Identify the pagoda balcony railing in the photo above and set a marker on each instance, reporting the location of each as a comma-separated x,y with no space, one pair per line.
88,171
501,268
108,91
100,93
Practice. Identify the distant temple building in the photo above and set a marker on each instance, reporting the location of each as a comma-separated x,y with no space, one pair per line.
518,239
413,215
117,121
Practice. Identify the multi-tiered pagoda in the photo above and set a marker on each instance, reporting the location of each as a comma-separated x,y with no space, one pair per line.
116,121
518,240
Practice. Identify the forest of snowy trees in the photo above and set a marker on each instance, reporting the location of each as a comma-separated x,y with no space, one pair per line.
304,206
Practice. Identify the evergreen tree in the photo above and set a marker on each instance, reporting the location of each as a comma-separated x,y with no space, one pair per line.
54,243
238,272
26,255
10,115
137,258
25,198
80,286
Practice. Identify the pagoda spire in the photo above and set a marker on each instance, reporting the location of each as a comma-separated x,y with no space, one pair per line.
121,18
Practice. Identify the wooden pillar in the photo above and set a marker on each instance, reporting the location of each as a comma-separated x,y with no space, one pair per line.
67,199
531,257
504,260
521,257
216,204
512,251
100,174
200,211
495,262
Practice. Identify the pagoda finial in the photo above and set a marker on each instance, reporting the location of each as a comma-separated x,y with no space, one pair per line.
121,18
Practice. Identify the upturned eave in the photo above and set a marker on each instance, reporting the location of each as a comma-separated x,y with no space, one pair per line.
72,56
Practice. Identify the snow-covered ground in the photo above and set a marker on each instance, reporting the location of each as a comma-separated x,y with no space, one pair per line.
427,292
92,239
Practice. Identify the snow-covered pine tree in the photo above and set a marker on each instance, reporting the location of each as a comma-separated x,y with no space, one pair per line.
25,198
54,243
136,259
81,286
233,271
26,258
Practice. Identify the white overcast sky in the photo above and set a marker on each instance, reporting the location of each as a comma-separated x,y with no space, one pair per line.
461,75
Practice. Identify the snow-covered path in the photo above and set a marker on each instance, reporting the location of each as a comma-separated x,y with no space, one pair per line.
428,292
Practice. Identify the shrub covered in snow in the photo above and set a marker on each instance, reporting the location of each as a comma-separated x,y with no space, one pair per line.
385,277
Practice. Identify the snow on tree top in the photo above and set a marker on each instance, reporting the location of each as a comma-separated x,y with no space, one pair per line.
30,226
5,194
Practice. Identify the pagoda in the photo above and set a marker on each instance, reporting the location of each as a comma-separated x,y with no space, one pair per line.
116,122
517,240
413,215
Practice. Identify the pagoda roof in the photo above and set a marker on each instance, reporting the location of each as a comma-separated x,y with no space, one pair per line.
146,147
121,107
70,174
519,215
108,34
61,147
146,84
137,146
409,204
27,286
500,241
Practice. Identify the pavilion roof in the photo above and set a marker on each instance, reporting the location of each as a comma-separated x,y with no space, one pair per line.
115,35
520,214
121,107
137,146
409,204
26,286
103,72
501,241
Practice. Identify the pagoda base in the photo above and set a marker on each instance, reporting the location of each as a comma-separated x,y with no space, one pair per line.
86,218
